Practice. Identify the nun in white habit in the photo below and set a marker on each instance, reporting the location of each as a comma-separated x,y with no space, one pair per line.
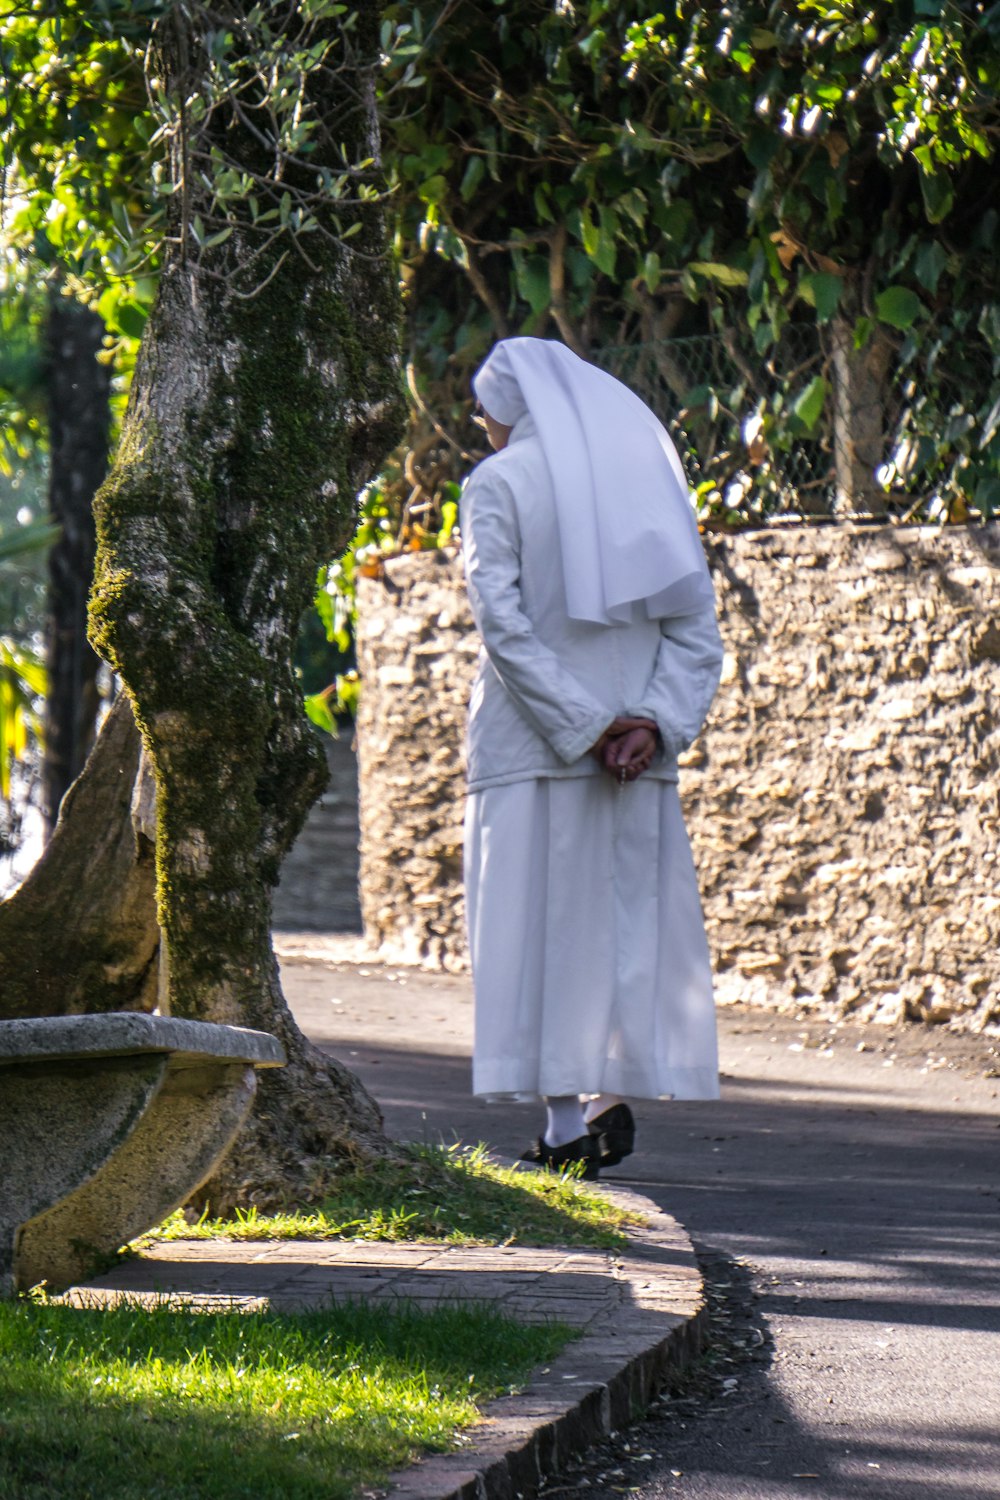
601,655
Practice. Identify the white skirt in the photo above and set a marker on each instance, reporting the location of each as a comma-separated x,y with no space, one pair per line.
589,958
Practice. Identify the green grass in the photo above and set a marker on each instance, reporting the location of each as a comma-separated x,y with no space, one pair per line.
453,1194
134,1403
168,1403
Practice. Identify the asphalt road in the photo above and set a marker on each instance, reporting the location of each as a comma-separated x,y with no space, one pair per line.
845,1197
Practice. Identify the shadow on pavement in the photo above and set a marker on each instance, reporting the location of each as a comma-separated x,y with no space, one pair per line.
872,1198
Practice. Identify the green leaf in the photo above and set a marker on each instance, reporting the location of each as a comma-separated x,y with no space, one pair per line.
543,208
760,148
651,271
676,219
348,686
898,306
938,196
929,263
130,318
698,395
44,248
532,276
718,271
317,706
589,233
449,520
808,405
862,332
471,178
822,291
634,204
986,495
592,43
581,270
606,252
325,609
763,337
434,189
991,424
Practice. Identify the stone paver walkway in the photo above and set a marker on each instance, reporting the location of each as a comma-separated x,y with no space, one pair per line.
579,1287
529,1284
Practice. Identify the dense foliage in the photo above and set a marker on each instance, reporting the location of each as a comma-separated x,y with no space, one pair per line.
739,188
734,187
776,221
75,221
79,201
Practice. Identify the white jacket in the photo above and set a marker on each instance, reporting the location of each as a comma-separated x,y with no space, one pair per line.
548,686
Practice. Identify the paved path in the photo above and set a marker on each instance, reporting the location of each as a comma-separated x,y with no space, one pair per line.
583,1288
856,1172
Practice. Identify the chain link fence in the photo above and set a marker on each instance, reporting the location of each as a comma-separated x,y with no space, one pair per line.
817,429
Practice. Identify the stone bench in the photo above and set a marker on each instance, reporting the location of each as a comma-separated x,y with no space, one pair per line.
107,1124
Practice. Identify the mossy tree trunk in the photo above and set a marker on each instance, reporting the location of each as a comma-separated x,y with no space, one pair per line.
266,392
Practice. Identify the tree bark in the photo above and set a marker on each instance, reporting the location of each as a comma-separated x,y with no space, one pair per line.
266,392
80,935
859,391
78,391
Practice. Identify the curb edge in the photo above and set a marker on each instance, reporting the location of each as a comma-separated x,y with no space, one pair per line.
617,1367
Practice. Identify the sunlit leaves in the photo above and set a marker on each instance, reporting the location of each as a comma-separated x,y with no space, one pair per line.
720,272
87,124
317,707
74,133
22,689
79,211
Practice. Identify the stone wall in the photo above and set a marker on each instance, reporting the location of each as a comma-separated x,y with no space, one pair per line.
417,653
842,803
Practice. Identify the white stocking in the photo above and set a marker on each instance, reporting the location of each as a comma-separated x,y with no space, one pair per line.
565,1119
597,1106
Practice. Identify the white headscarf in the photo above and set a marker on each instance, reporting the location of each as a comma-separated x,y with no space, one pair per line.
627,530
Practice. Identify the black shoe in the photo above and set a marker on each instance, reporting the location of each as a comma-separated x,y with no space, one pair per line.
557,1158
614,1133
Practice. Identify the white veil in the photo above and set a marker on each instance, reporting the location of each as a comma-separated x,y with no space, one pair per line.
627,530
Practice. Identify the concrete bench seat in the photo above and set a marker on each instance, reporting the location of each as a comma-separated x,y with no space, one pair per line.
107,1124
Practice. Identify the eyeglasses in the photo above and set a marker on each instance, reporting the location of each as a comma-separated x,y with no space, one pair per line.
477,416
